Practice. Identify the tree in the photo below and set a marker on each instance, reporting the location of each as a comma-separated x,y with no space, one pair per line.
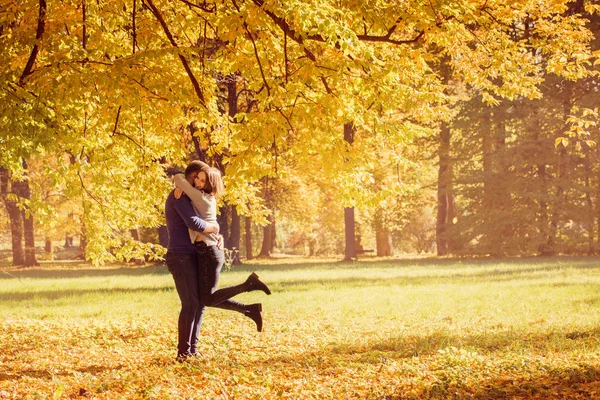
111,86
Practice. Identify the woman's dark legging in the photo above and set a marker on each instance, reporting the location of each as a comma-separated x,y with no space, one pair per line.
210,263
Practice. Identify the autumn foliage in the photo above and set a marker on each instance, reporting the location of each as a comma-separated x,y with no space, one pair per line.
404,329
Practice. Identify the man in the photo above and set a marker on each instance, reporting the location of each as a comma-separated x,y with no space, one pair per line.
182,263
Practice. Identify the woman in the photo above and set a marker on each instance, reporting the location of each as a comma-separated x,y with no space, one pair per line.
208,187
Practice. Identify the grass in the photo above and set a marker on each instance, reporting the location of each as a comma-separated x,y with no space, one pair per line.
387,329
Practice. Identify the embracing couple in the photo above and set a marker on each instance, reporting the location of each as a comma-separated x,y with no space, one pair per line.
195,256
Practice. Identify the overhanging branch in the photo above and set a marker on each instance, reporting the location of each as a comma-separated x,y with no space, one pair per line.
186,66
38,36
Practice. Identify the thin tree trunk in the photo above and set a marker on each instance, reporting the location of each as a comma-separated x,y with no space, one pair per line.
267,242
563,165
588,198
383,239
135,234
273,243
68,241
248,236
196,141
501,161
445,190
16,230
23,190
83,237
223,221
487,145
16,222
49,249
235,233
349,223
445,207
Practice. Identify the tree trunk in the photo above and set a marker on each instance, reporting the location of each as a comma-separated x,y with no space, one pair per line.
445,190
349,223
542,217
384,243
487,148
23,190
588,199
28,231
135,235
49,249
501,163
312,243
445,206
68,241
83,239
234,237
267,243
383,239
563,165
223,221
349,230
248,236
273,243
16,230
14,214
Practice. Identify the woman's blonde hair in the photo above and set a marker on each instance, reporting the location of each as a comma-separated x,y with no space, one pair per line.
214,182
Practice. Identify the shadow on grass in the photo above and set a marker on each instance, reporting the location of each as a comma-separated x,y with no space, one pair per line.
574,383
433,262
51,273
550,379
56,270
77,293
528,274
47,375
408,346
489,276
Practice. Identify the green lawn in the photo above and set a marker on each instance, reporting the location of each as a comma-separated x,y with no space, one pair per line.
425,328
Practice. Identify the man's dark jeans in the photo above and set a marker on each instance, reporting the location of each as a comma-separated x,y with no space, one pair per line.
184,269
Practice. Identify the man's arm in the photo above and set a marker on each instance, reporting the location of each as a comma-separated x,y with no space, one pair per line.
193,221
193,193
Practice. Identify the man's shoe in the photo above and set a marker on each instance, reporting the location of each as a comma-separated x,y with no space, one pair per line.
253,311
255,284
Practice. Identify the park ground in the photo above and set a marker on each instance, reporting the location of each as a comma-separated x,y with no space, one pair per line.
375,329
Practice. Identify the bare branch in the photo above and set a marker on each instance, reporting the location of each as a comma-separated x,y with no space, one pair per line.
134,33
258,59
327,88
287,119
83,17
117,120
204,7
285,57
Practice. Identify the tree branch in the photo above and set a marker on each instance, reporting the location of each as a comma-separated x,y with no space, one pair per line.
387,39
117,120
203,6
134,32
285,57
83,17
258,59
38,36
327,88
281,22
193,79
115,132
